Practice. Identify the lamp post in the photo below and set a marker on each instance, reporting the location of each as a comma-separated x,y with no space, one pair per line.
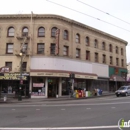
21,80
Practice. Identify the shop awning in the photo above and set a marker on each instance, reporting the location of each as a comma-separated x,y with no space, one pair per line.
116,78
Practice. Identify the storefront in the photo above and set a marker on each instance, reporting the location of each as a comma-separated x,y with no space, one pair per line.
9,83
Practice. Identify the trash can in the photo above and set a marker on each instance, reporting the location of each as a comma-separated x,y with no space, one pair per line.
19,98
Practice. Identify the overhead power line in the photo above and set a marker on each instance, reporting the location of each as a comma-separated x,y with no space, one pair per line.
104,12
88,15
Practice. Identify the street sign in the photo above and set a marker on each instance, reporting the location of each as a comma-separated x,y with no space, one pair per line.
20,76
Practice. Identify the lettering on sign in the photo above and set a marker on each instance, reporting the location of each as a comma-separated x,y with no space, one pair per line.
12,76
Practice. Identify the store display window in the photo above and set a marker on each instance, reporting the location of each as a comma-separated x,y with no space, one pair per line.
38,86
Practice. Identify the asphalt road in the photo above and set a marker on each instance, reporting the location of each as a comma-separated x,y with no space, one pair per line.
96,113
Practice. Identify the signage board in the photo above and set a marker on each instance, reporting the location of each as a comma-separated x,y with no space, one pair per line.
5,69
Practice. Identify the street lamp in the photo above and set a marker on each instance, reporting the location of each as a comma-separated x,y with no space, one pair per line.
21,80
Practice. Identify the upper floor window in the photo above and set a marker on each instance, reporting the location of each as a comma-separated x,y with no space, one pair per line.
103,58
117,61
121,51
77,53
24,66
116,50
40,48
87,41
110,48
66,37
87,55
77,38
9,64
10,32
95,43
96,57
122,62
65,50
9,48
111,60
24,47
41,32
103,46
53,32
52,48
25,31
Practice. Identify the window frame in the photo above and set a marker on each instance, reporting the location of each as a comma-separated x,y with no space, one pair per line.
87,55
11,32
10,66
95,43
103,46
25,31
77,53
103,58
122,53
87,41
24,66
65,50
77,39
43,49
41,32
52,48
66,35
96,57
7,48
117,61
53,31
111,60
116,49
110,47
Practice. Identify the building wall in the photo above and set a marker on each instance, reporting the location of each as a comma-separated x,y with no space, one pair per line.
101,70
73,27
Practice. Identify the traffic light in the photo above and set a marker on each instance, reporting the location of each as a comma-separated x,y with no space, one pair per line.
72,75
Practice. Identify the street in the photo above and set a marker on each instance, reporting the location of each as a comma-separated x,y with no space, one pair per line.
94,113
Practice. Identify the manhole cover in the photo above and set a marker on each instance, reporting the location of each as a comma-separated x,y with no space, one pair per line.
22,116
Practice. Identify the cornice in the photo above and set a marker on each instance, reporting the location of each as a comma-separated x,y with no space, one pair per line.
52,16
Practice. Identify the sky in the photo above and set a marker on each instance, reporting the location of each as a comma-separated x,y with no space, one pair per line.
110,16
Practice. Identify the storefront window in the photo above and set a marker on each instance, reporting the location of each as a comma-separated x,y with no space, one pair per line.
79,84
66,85
38,86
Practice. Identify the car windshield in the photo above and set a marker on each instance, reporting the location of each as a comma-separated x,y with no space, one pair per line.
123,88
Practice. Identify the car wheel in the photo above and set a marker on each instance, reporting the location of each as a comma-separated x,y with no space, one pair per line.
117,95
126,94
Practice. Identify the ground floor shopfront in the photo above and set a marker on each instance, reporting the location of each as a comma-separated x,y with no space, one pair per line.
48,87
10,83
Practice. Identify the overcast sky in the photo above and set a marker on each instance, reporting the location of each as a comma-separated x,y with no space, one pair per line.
88,15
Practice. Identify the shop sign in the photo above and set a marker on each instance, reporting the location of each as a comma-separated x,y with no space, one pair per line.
38,84
5,69
12,76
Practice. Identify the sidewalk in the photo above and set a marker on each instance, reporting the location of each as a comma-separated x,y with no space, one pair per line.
15,100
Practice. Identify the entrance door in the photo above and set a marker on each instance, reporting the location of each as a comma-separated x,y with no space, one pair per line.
52,87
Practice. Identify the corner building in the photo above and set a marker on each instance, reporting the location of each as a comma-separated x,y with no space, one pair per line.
52,48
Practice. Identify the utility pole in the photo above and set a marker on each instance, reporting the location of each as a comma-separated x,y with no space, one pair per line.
21,80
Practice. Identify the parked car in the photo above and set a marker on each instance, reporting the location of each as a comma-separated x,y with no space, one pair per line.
123,91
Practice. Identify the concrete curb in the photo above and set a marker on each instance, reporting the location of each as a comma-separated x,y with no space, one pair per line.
54,99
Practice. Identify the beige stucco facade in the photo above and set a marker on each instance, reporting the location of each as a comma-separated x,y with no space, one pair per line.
90,71
33,22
